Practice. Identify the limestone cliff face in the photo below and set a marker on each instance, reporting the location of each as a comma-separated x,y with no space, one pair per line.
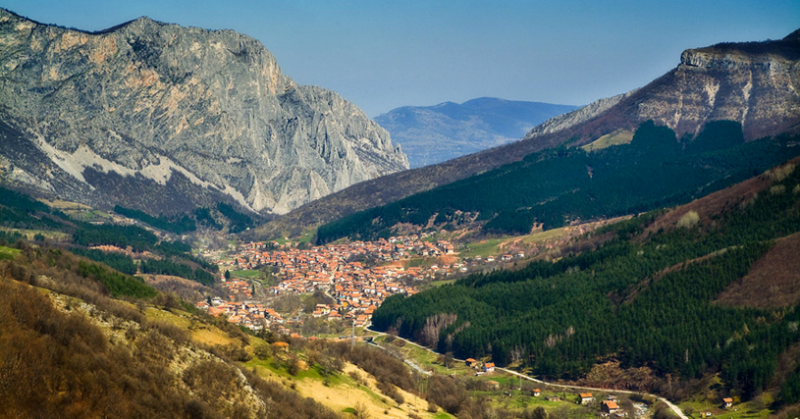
754,83
163,118
757,84
576,117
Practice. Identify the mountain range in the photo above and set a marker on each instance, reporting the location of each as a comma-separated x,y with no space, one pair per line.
433,134
755,84
163,118
696,300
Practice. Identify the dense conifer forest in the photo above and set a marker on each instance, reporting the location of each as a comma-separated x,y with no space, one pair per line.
644,297
556,186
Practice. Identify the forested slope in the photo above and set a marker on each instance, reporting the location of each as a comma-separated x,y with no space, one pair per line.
645,297
557,186
19,212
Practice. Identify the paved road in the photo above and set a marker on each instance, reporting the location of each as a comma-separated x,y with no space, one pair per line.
536,380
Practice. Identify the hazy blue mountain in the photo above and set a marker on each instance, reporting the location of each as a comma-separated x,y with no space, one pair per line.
433,134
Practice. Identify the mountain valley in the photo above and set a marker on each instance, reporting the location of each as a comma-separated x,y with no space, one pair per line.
186,232
753,84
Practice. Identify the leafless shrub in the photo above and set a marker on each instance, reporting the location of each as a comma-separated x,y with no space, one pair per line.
689,220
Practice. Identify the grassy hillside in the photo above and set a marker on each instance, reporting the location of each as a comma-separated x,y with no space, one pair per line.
69,348
647,297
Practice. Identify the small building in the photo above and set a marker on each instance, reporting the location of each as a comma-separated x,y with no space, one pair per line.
537,392
727,402
488,367
281,346
609,406
470,362
586,398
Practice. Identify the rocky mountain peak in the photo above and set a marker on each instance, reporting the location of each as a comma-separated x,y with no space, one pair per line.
163,109
753,83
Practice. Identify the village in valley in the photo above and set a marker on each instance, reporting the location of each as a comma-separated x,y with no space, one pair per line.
355,277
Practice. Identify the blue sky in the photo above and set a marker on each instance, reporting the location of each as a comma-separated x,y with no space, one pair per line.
383,54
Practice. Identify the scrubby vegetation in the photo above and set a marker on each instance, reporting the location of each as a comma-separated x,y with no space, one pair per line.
118,261
166,267
58,360
170,257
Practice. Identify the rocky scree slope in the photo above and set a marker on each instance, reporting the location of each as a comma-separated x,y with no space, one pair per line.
165,118
754,83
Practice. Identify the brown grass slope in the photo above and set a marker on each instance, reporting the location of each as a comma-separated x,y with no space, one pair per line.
718,202
755,84
68,350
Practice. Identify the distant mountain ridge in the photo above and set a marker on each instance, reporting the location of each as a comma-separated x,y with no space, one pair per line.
433,134
164,118
755,84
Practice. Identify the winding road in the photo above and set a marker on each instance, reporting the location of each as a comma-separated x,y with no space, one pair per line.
536,380
672,406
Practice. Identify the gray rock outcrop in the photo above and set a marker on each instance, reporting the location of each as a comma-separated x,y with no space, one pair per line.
164,118
580,115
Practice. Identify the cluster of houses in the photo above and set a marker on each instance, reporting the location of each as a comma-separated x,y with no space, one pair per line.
254,316
480,367
357,289
291,259
238,288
